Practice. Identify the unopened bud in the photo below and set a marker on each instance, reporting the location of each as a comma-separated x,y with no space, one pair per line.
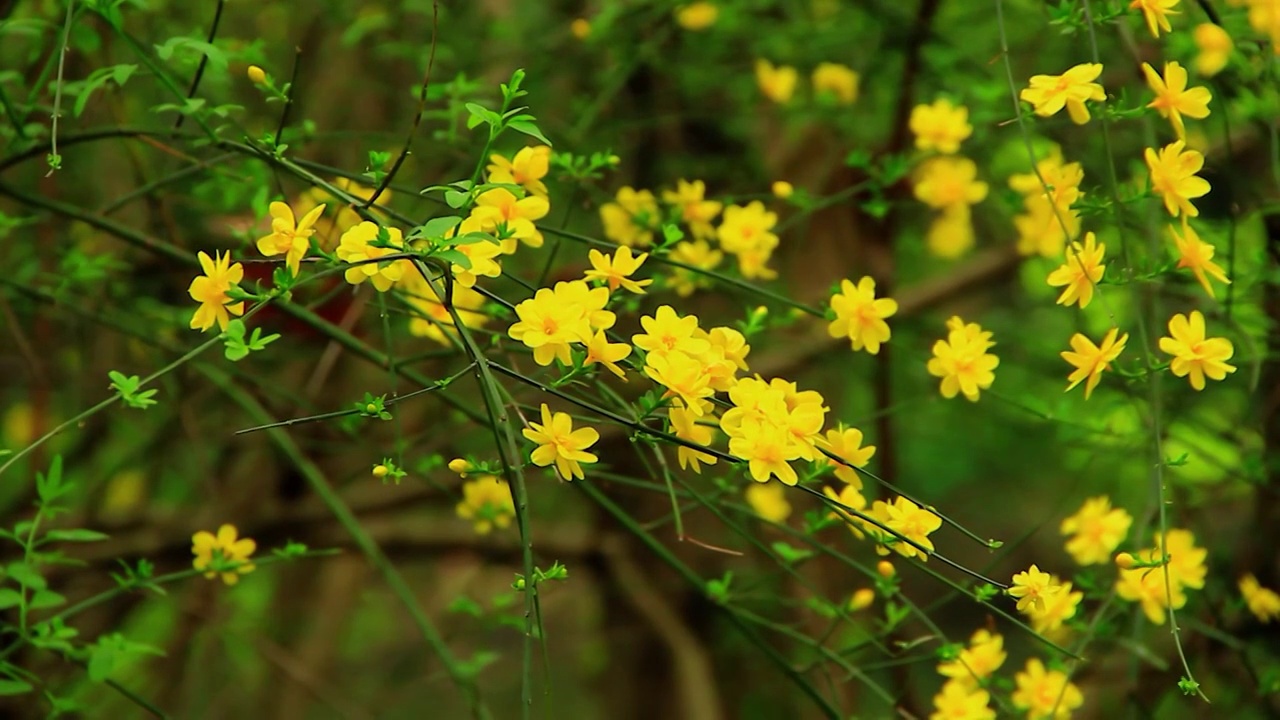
782,189
380,471
862,599
580,28
1124,561
257,75
460,466
885,568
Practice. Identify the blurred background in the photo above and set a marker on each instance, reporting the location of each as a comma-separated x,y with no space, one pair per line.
85,292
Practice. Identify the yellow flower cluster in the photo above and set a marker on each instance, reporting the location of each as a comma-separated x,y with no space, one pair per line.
949,184
486,503
1158,586
223,554
832,82
1048,222
962,360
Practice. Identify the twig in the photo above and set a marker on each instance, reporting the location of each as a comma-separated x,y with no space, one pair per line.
55,162
204,62
417,116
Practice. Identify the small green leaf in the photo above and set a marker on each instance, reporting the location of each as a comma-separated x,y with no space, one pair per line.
9,598
46,599
529,129
76,535
26,576
455,199
14,687
437,227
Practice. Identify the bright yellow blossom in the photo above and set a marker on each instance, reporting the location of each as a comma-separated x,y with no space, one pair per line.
1095,531
697,16
608,354
666,332
767,452
685,426
849,497
962,361
1058,608
951,233
1080,273
223,554
210,290
958,701
631,218
682,376
836,81
1173,99
1173,177
1196,255
616,271
846,444
559,444
1090,361
976,662
1264,603
695,210
944,182
1186,561
486,502
1032,587
287,238
1050,93
860,315
526,169
509,218
940,126
1146,585
356,247
430,318
1215,48
769,501
1193,354
481,253
1157,14
747,232
698,254
1045,694
909,521
547,324
777,83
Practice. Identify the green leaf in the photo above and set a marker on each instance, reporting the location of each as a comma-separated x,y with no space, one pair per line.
529,129
217,58
481,114
46,599
457,257
76,535
119,74
455,199
102,660
9,598
14,687
26,576
437,227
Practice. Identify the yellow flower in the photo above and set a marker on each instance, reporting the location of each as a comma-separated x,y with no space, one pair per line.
747,232
286,238
1082,271
486,502
1058,608
983,656
940,126
836,81
769,501
767,451
1032,587
430,318
526,169
963,363
581,28
951,233
695,211
1215,48
1045,694
909,521
682,376
608,354
698,254
1050,93
777,83
1193,353
1048,222
548,322
1174,99
851,498
860,315
1264,603
1090,361
502,214
782,189
944,182
1146,585
210,290
631,218
1157,13
1197,255
685,426
697,16
328,230
1173,176
1186,561
355,248
958,701
846,444
1096,530
482,254
559,444
223,554
616,271
667,332
257,75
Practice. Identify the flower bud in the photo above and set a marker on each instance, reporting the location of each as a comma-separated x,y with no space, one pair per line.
1124,561
580,28
862,599
460,466
885,568
782,189
380,471
257,75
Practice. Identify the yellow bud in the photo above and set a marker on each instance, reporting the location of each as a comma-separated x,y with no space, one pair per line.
782,189
460,466
862,599
885,568
380,471
580,28
1124,561
614,160
257,75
